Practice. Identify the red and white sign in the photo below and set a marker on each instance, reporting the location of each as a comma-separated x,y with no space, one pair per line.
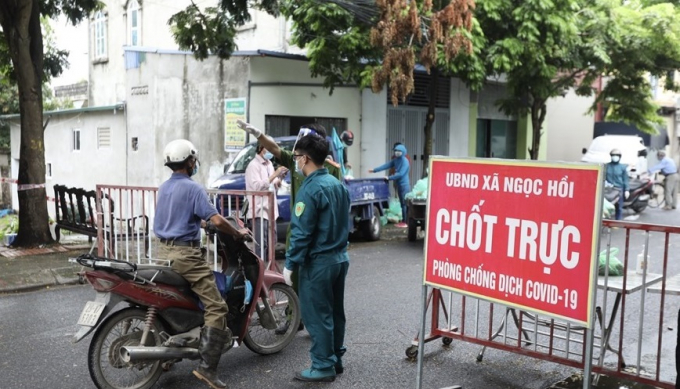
518,233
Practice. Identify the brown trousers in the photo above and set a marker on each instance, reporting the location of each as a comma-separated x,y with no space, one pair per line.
190,263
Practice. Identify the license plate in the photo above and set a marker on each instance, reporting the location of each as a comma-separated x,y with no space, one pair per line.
91,313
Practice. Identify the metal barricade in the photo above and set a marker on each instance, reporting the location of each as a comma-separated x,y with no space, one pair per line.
633,334
125,217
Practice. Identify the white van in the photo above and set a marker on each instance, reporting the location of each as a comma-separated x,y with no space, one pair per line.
633,151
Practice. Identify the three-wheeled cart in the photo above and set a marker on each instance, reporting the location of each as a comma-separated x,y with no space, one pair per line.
416,217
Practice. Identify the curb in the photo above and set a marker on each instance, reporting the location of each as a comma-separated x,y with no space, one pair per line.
43,279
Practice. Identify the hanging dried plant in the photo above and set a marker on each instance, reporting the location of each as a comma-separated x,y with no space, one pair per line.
399,32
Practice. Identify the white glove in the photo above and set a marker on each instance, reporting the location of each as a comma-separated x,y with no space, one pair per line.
247,127
627,194
287,274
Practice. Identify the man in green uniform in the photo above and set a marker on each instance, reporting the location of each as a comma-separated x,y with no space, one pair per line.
318,250
285,158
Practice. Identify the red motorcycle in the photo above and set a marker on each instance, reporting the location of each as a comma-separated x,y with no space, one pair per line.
161,322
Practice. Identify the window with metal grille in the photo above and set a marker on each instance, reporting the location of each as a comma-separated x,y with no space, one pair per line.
76,140
420,97
103,138
277,125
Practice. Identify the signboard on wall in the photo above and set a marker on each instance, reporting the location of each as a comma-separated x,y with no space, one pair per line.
517,233
234,109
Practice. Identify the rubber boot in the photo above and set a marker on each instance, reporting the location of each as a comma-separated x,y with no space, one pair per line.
210,350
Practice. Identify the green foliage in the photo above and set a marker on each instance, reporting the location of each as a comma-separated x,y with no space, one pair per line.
204,33
545,47
9,225
338,44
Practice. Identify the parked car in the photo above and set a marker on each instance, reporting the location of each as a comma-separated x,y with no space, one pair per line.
633,152
369,197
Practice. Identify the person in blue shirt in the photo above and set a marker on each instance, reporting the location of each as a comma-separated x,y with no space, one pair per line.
400,163
318,252
616,174
182,206
669,170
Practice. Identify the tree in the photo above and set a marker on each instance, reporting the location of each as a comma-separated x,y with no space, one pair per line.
436,33
24,60
546,47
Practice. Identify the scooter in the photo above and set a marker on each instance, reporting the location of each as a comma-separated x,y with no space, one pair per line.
162,321
638,198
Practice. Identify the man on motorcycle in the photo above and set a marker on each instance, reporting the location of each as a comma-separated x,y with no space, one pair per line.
182,206
616,174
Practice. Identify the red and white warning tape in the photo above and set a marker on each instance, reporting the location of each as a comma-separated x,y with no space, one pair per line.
9,180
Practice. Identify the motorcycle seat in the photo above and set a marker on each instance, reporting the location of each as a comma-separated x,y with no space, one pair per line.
635,184
165,276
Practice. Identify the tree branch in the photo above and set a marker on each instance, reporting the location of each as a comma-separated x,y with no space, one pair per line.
564,80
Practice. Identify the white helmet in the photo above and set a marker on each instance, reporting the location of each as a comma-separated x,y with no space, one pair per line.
179,151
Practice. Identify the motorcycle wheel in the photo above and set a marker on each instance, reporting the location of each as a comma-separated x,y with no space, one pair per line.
286,307
124,328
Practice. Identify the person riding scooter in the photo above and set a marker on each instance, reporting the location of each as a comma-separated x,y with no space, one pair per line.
182,206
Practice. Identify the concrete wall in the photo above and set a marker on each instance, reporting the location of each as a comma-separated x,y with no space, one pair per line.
271,93
85,168
571,127
185,100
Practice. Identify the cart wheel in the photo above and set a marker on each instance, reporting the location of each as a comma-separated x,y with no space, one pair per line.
81,279
412,352
412,230
447,341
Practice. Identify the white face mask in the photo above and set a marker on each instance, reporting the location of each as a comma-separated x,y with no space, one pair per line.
398,154
299,168
616,158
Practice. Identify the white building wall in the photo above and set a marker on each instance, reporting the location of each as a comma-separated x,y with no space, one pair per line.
571,127
271,93
459,119
374,131
89,166
107,76
185,100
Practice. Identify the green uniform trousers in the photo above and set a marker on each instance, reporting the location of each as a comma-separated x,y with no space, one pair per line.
190,263
322,302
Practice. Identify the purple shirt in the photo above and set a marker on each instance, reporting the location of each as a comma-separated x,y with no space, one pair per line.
257,178
181,205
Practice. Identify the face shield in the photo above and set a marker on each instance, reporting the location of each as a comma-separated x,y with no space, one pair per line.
304,132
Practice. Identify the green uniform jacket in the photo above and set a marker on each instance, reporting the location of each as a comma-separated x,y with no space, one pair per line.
297,179
319,223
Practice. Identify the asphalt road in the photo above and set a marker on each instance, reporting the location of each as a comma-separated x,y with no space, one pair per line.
382,298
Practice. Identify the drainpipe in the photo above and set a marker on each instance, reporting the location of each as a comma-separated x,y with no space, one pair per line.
127,143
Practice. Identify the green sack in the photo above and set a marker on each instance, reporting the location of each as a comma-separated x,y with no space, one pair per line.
394,211
419,190
615,266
